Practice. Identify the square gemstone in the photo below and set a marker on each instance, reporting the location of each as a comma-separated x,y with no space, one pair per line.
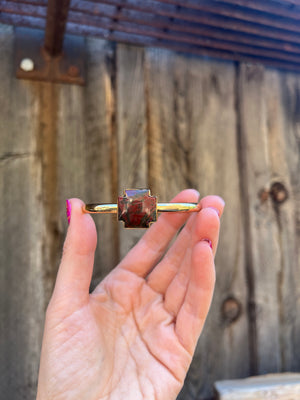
137,208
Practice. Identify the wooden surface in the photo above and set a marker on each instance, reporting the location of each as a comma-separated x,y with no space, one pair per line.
130,131
154,118
272,386
269,129
22,302
187,118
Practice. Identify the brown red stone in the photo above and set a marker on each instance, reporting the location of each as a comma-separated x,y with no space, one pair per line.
137,208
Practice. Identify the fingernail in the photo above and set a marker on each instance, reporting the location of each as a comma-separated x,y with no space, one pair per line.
216,210
68,210
209,242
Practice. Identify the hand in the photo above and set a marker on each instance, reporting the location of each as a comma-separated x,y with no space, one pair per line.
134,336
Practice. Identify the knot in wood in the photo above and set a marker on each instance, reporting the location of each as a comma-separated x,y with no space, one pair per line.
231,310
278,192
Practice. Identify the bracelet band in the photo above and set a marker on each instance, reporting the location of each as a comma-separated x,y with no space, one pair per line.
138,209
111,208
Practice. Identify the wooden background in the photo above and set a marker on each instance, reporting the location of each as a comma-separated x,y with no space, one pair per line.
154,118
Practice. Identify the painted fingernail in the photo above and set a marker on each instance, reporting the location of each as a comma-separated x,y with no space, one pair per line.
216,210
209,242
68,210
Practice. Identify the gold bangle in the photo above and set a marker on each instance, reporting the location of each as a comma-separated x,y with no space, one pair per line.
138,209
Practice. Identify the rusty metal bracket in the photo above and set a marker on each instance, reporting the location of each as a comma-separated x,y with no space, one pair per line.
33,61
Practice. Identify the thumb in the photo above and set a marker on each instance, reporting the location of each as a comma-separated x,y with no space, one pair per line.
76,267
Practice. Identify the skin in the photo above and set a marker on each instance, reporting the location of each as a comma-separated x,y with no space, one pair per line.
135,335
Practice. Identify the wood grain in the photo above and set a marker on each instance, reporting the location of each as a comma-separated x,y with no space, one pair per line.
273,260
169,139
100,169
281,99
77,148
21,215
131,130
288,219
263,251
192,143
224,346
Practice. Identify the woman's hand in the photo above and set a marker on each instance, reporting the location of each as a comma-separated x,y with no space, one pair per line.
134,336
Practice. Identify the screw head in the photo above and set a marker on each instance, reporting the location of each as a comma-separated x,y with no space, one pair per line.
73,71
27,64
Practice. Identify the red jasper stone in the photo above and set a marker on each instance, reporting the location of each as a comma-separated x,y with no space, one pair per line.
137,208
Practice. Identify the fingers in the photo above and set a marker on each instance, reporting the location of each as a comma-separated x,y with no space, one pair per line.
209,226
205,225
197,300
206,229
76,267
176,290
213,202
153,244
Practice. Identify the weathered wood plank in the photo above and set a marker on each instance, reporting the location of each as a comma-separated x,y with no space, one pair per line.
263,251
273,386
169,138
283,110
100,169
22,296
76,146
45,135
270,156
224,347
21,232
85,148
131,130
192,143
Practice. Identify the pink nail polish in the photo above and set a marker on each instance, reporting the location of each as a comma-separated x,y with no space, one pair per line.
68,210
209,242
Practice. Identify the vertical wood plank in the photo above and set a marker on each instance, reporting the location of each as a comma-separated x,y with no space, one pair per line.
263,251
282,90
288,217
131,130
271,154
101,153
223,349
169,137
21,215
76,145
85,149
192,143
46,139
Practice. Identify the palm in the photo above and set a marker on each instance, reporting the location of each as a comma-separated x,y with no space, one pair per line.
135,333
134,336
